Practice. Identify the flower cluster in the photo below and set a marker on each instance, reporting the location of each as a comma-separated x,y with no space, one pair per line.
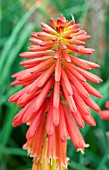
56,98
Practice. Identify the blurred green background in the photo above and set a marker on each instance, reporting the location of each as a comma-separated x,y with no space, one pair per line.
17,20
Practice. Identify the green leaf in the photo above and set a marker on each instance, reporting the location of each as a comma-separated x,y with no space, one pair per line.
12,38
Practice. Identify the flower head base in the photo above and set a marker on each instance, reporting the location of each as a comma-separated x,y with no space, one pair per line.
56,96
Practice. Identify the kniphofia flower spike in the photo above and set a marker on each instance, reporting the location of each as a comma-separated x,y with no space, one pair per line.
56,98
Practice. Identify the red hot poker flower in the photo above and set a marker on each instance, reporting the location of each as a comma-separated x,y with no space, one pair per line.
56,98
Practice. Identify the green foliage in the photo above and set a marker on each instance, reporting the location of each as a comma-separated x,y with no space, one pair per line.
17,22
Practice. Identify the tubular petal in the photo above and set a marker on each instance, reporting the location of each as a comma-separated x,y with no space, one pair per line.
56,94
77,85
70,102
45,76
51,150
37,120
34,61
56,116
35,41
89,76
80,63
41,97
72,69
62,125
76,138
57,54
49,124
80,103
79,119
16,96
58,70
35,54
91,90
37,144
92,104
66,83
66,56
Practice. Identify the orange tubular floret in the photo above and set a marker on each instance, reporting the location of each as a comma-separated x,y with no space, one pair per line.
62,125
